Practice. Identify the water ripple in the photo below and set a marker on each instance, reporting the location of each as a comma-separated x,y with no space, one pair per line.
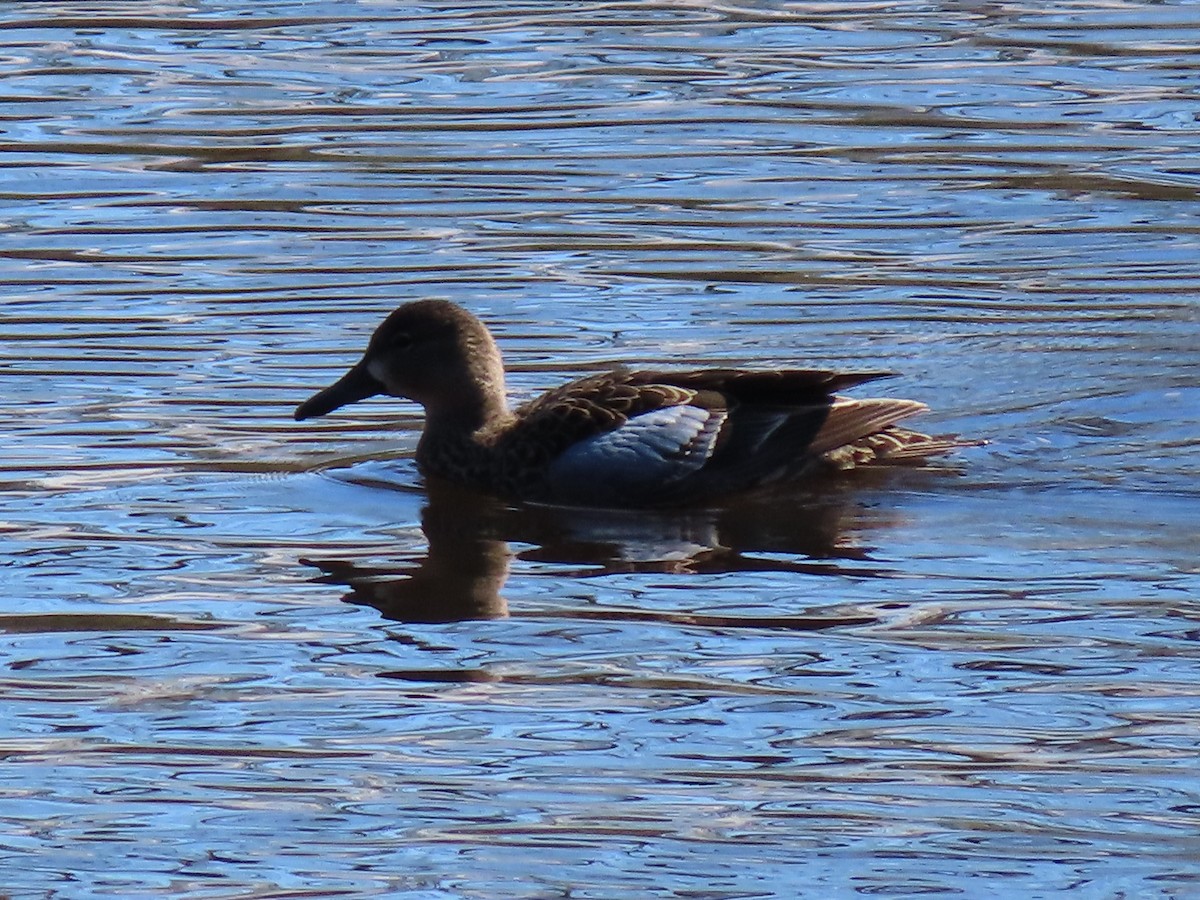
245,656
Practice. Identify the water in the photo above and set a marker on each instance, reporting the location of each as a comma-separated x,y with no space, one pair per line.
245,657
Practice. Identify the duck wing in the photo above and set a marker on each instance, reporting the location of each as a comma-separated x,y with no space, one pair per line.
640,460
609,427
598,404
649,436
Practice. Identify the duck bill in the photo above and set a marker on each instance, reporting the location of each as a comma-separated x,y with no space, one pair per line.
357,384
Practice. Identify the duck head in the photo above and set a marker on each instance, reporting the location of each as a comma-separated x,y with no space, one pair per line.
431,351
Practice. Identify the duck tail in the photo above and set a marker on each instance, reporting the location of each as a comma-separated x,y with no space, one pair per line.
896,446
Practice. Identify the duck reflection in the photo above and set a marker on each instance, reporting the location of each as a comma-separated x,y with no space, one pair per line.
459,577
470,539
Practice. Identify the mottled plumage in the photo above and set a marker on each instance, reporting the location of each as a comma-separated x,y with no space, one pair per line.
620,438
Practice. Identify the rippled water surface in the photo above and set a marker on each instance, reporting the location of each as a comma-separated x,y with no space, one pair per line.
248,657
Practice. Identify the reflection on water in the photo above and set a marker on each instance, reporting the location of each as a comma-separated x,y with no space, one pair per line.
459,577
468,556
979,680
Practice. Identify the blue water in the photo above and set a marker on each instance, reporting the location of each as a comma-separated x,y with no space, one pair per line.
247,657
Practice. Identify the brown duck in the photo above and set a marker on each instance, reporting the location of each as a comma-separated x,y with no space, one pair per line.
621,438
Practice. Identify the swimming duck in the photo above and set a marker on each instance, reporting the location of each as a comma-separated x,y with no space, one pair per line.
623,438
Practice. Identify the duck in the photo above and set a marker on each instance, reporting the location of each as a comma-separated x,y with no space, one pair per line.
624,438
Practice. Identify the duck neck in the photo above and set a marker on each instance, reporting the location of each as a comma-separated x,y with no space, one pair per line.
465,405
469,415
456,439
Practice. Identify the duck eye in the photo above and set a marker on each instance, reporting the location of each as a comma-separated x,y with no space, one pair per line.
401,340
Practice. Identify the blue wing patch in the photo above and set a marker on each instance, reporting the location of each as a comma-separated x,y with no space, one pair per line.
646,453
